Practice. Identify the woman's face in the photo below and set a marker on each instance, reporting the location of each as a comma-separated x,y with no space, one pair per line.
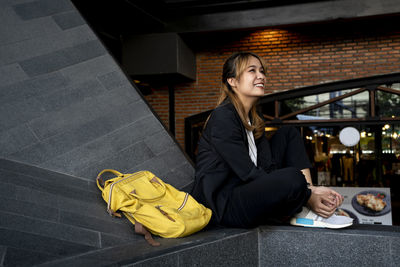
251,83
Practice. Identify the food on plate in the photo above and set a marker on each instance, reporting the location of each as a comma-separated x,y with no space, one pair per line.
372,202
341,212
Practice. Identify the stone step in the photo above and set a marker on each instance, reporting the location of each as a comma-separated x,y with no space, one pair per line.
20,257
29,197
90,216
47,175
47,185
37,230
17,243
28,209
50,229
213,247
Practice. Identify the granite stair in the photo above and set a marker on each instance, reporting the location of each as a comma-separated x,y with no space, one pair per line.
47,215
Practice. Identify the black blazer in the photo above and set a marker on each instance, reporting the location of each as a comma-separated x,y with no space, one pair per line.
223,160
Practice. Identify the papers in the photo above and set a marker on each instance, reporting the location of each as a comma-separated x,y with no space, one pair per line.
361,214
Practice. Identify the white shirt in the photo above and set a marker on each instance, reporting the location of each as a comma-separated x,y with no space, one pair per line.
252,146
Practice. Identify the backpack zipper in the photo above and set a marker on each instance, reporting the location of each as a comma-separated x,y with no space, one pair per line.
109,210
179,209
184,202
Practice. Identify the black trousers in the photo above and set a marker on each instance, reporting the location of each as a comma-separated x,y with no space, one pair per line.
281,193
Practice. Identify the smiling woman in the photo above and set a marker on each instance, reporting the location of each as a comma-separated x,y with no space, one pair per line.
241,74
246,179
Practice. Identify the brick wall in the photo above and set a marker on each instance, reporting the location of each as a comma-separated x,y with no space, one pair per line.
296,57
158,99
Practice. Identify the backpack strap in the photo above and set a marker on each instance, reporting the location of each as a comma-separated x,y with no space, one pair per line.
152,180
140,229
100,183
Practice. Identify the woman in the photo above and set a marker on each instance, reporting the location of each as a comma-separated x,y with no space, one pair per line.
245,179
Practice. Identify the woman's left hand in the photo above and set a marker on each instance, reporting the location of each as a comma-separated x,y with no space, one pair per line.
324,201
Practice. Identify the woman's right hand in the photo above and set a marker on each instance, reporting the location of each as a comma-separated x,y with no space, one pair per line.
324,201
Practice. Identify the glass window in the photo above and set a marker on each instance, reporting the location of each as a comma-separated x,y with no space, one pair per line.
388,105
395,86
373,162
355,106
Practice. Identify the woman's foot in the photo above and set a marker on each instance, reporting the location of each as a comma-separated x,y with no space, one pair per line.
308,218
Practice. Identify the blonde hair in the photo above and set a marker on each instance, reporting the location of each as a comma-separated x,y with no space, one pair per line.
233,68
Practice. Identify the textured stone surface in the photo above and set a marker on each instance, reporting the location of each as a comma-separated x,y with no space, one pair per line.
321,247
47,186
23,257
41,8
41,244
164,260
68,19
49,229
59,99
13,115
15,139
91,68
395,251
13,29
3,251
67,105
34,87
114,79
16,51
174,249
241,250
62,58
96,224
29,209
57,179
11,73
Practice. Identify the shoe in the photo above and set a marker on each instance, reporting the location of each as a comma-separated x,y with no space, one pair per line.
308,218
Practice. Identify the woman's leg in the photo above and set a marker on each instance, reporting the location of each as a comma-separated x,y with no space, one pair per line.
280,193
287,148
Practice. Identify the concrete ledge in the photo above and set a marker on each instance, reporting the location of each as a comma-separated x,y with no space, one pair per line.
360,245
212,247
264,246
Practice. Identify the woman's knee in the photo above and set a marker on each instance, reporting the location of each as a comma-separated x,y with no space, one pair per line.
296,179
286,135
289,131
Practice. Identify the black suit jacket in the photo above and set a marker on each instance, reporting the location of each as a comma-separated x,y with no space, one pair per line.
223,160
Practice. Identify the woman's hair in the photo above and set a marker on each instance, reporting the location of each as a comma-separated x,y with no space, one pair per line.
234,67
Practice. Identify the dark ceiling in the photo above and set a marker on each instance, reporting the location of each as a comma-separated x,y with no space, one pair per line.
116,18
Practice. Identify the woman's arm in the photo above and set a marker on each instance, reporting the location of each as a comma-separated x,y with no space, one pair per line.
227,137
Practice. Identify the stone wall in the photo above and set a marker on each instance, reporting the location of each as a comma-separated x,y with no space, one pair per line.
67,106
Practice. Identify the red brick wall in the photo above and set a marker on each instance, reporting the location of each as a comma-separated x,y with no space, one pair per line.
158,99
295,57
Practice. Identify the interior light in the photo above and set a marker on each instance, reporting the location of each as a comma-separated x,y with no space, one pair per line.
270,129
387,126
369,134
363,134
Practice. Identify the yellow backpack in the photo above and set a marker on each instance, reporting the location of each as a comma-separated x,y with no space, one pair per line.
153,205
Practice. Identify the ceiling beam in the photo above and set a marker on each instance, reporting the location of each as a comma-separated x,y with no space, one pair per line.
312,12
